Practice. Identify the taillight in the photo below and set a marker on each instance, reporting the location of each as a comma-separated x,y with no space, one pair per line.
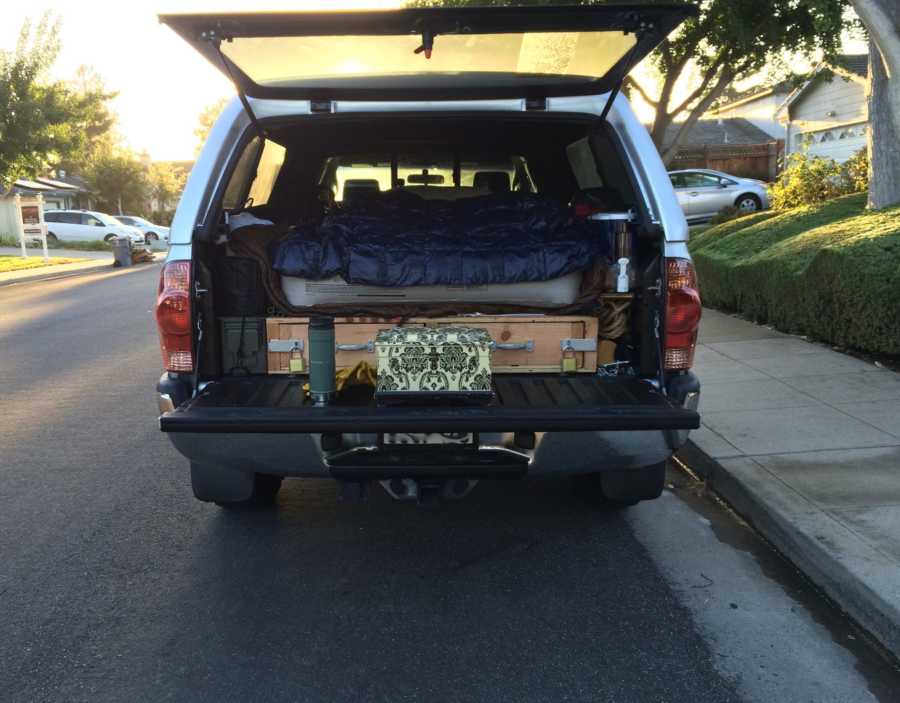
173,316
683,311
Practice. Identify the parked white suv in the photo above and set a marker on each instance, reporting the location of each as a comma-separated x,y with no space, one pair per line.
86,225
437,192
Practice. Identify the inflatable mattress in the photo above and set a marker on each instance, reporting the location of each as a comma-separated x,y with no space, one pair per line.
556,292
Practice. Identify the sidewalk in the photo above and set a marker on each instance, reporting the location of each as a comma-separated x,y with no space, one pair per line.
804,442
89,262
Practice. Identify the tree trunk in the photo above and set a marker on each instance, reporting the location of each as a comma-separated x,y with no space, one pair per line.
883,139
882,19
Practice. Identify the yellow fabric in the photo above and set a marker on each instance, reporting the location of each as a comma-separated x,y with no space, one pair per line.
362,374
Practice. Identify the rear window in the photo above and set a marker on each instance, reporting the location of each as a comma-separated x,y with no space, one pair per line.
423,174
286,60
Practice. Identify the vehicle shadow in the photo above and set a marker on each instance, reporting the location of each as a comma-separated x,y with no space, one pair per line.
524,588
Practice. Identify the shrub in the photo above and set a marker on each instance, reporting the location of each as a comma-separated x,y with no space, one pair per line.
808,180
830,271
856,171
34,243
726,214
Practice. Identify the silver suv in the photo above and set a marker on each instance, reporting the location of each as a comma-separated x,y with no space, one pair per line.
413,169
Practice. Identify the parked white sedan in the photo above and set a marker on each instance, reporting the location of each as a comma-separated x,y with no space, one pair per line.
86,225
152,232
703,192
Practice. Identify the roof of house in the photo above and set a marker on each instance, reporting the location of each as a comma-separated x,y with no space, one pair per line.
715,132
754,93
59,185
69,179
857,64
852,66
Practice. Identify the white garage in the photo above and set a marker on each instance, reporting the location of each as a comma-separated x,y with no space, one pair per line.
827,116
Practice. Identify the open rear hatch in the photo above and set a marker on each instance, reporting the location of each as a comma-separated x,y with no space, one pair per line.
447,53
522,402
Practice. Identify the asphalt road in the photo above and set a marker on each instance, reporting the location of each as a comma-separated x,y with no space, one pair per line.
116,585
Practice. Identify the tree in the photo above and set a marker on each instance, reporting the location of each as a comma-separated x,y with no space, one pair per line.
118,181
165,185
882,20
98,119
729,41
206,121
40,122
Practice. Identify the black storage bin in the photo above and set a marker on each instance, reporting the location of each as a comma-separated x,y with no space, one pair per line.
243,345
239,289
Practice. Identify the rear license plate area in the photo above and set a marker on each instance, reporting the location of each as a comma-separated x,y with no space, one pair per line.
425,438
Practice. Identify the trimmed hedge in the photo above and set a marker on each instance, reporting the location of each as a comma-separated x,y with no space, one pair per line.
830,271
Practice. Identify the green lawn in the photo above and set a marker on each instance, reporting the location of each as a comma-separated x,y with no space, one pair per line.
93,245
17,263
830,271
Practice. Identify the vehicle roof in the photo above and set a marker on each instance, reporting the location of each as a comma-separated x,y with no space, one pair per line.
710,171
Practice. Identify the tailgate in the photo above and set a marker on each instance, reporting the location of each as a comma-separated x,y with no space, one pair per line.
523,402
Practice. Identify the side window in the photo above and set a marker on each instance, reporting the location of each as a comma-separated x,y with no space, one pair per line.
677,180
70,218
240,177
51,217
91,220
700,180
584,168
267,171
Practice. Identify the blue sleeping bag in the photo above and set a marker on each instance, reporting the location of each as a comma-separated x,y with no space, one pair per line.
400,239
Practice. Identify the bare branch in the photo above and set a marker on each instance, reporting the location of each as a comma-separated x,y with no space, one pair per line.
698,92
645,96
724,79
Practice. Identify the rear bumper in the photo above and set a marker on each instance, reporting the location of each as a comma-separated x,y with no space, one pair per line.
574,439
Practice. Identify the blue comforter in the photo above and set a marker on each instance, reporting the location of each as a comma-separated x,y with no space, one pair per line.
400,239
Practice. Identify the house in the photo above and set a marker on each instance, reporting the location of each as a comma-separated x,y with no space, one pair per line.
734,145
758,106
828,116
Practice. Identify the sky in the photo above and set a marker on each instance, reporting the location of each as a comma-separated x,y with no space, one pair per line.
162,83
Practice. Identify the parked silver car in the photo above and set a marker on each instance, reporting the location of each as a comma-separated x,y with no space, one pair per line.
703,192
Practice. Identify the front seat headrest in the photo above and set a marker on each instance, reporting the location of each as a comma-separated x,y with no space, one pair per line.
360,191
493,181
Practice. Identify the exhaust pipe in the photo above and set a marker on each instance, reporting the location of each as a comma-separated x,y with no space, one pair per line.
429,491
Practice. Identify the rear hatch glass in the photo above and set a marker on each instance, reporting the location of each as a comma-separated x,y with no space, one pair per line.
431,53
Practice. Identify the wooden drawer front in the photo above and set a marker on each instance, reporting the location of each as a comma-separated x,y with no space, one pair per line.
345,334
355,335
545,334
286,328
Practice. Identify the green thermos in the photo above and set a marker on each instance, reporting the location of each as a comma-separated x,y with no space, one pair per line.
321,360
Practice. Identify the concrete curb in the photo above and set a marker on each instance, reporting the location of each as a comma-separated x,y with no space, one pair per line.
57,274
855,575
103,266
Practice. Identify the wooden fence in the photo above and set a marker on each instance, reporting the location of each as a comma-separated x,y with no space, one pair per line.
761,161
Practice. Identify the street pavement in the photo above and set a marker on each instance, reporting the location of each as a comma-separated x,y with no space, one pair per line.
116,585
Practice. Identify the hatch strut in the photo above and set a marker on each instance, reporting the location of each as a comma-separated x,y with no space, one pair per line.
639,33
215,40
